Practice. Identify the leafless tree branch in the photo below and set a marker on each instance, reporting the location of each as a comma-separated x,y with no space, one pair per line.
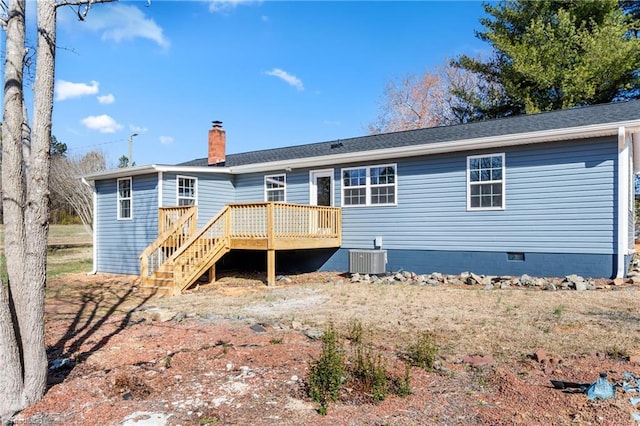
5,11
81,2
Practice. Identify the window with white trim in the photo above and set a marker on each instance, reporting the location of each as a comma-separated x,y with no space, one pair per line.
125,198
275,188
371,185
485,182
187,191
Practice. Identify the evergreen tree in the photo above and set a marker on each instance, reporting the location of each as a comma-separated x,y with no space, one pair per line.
551,55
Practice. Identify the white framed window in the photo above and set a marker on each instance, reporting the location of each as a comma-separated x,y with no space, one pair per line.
187,188
369,186
485,182
275,188
125,199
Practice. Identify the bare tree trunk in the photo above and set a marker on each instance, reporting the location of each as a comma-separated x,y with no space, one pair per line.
30,307
12,396
25,197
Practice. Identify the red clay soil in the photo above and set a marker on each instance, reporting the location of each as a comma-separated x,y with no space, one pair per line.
201,371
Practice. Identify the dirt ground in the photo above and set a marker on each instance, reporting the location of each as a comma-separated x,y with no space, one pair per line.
237,352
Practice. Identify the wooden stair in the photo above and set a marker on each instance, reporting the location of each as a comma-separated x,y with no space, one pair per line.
181,254
189,261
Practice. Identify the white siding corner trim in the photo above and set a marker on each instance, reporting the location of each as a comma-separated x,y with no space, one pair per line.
160,187
624,166
94,225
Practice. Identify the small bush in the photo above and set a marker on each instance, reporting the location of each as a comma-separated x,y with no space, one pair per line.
618,353
423,352
558,310
370,369
402,386
356,332
326,373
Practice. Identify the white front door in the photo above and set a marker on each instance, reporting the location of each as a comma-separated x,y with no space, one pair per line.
321,187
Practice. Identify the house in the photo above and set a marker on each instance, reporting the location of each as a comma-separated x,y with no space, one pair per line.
547,195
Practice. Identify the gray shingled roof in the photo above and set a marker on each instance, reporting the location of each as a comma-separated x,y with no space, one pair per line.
576,117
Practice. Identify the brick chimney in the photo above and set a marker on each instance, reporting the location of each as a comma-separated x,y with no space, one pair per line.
217,142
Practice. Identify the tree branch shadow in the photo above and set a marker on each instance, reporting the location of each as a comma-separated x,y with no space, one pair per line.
82,336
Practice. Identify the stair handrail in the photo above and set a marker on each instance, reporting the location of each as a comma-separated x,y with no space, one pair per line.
182,279
190,215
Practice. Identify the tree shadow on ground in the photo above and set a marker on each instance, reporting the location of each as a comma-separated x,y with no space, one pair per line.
91,307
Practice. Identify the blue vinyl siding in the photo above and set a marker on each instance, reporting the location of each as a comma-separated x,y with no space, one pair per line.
250,187
560,198
214,192
121,241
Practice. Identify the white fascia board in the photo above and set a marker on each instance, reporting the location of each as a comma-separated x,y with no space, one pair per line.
123,172
192,169
591,131
153,168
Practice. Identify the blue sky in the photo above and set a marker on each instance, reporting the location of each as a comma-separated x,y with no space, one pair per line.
276,73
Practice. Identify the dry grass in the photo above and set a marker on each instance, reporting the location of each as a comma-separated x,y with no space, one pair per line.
508,324
64,234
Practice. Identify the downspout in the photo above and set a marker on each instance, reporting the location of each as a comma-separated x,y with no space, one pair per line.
95,228
623,202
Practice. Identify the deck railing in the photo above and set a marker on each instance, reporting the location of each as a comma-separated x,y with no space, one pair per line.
264,221
168,216
175,225
280,220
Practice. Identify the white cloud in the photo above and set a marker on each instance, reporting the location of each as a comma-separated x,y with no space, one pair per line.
290,79
138,129
225,5
120,22
264,18
166,140
106,99
102,123
67,89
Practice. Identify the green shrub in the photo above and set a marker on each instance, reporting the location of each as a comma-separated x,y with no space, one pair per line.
402,386
356,332
370,369
558,311
327,372
423,352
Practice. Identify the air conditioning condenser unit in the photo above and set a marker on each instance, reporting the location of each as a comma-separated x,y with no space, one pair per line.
367,261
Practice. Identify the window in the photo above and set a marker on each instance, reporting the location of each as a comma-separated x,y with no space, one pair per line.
187,191
275,188
485,182
124,198
365,186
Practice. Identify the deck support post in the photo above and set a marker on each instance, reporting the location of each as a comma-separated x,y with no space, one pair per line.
271,253
212,274
271,267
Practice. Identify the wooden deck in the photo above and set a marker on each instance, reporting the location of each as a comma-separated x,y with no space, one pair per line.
181,255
